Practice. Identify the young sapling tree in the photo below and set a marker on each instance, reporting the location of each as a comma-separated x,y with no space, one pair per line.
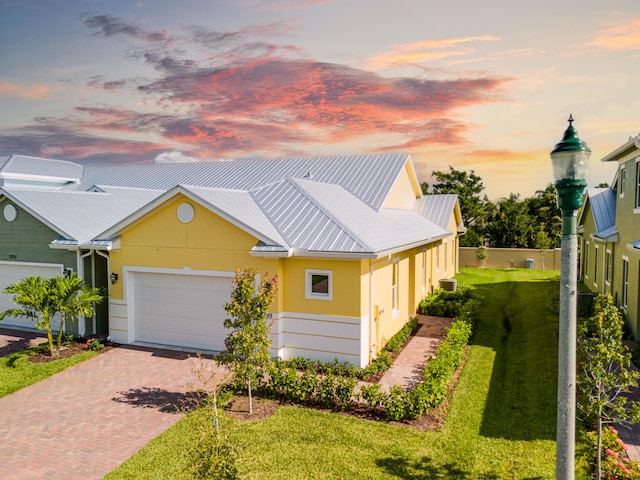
249,343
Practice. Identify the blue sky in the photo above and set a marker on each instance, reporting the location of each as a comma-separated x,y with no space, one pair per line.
484,86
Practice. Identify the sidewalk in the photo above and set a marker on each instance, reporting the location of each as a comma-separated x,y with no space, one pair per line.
406,370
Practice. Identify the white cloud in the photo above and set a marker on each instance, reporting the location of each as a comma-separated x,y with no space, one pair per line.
174,157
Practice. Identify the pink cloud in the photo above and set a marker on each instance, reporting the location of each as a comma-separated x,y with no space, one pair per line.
624,35
235,94
34,91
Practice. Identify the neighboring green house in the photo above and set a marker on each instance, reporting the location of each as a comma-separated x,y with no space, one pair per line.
609,229
49,232
352,239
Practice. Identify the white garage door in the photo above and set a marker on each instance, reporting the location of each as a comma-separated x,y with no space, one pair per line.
11,272
181,310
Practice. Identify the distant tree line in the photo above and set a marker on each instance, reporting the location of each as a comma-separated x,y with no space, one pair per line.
534,222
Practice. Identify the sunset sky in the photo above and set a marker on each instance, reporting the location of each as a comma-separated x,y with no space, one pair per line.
478,85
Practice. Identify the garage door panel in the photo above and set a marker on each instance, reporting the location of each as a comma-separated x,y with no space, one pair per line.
14,272
181,310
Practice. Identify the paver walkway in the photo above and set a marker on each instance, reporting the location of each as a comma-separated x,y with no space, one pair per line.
407,368
85,421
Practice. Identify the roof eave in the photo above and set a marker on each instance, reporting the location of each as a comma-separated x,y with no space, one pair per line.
622,151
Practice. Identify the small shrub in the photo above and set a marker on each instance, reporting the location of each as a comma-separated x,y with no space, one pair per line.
445,303
615,461
373,395
325,395
93,345
344,387
396,405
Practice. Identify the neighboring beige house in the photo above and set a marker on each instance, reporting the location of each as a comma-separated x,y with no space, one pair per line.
609,230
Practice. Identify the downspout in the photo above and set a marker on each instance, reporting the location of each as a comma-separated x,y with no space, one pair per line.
371,309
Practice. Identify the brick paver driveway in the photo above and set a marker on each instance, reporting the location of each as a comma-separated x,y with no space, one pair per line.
88,419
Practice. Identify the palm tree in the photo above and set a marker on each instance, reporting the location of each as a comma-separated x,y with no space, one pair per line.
41,299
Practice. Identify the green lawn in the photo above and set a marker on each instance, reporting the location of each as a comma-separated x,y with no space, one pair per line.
501,421
16,371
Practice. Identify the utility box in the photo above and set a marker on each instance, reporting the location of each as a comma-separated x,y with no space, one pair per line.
448,284
529,263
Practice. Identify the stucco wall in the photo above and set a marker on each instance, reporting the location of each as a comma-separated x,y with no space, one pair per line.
511,258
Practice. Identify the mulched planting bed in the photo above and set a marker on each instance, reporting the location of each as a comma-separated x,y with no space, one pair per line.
75,347
238,408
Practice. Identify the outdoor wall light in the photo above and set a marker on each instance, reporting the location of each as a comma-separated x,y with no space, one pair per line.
114,278
569,159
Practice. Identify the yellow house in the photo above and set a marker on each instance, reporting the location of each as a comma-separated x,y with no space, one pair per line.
354,243
352,240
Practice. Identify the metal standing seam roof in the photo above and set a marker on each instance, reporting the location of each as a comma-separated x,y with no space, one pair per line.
302,222
80,216
603,206
375,231
41,167
326,204
369,177
437,208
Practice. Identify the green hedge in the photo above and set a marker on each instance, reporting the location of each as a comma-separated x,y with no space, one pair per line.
445,303
332,384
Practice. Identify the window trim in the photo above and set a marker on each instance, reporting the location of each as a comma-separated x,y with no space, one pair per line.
636,205
595,265
395,277
625,283
423,267
608,266
585,260
309,294
446,254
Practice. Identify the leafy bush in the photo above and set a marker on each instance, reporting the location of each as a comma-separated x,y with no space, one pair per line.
615,461
445,303
93,344
395,408
399,338
373,395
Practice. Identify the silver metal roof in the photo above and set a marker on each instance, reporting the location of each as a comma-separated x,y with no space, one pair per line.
437,208
603,206
303,206
375,231
302,222
369,177
23,166
80,216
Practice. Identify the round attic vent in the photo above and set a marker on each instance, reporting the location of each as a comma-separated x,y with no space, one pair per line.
10,213
185,213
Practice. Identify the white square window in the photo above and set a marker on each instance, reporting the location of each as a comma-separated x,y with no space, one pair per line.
318,284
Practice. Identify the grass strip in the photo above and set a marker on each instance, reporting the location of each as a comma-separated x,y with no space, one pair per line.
17,371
